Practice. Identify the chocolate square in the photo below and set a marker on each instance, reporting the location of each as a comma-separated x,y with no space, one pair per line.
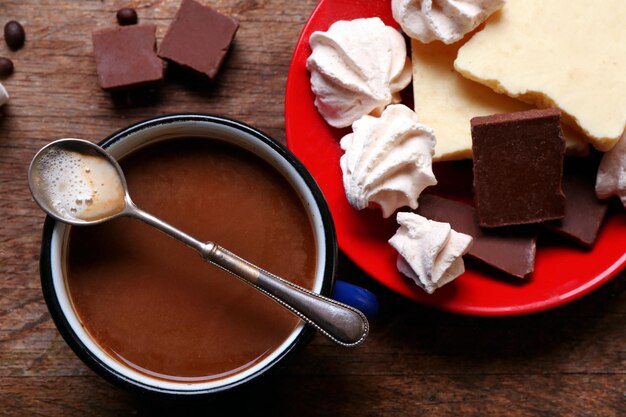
510,250
198,38
584,212
518,165
126,57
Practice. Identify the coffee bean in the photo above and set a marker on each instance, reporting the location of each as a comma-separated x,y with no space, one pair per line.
126,16
14,35
6,67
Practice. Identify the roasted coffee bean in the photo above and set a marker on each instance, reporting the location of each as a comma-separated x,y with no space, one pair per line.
126,16
14,35
6,67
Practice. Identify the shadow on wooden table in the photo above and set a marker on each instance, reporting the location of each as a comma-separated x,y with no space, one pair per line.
138,97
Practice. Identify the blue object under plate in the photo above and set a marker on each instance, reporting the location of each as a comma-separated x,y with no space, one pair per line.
356,297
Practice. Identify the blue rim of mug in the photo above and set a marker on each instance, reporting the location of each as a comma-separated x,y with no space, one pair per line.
119,379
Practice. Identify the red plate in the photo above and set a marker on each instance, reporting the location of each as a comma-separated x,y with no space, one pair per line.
562,273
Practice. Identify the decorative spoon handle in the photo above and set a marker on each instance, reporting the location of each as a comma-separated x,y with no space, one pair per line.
342,324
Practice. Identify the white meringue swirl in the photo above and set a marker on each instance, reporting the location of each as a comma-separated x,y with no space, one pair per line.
444,20
357,68
429,252
387,160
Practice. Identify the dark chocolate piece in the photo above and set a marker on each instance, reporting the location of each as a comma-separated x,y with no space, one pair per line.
518,165
126,16
6,67
198,38
508,250
584,212
14,35
126,57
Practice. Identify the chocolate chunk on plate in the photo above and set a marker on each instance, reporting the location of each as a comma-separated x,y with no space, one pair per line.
518,165
584,212
198,38
126,57
510,250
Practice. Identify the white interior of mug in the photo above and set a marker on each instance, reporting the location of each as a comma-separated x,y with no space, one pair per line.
185,129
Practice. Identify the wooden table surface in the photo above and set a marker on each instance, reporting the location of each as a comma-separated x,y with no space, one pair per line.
566,362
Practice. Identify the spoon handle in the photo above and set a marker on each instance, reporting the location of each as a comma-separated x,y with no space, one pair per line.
342,324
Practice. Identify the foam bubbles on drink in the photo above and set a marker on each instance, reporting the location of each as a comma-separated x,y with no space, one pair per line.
80,186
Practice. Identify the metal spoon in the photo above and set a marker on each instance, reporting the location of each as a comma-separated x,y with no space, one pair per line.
101,195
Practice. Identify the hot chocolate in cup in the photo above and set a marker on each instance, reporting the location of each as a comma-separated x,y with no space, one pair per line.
145,312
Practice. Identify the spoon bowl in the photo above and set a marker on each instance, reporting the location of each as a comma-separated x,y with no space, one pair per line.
78,183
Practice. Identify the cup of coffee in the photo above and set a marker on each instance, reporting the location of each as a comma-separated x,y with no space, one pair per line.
147,313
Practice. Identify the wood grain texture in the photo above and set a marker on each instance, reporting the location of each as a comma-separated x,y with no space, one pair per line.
567,362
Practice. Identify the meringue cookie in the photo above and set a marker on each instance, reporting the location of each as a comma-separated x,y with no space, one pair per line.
4,96
429,252
444,20
387,160
357,67
611,179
